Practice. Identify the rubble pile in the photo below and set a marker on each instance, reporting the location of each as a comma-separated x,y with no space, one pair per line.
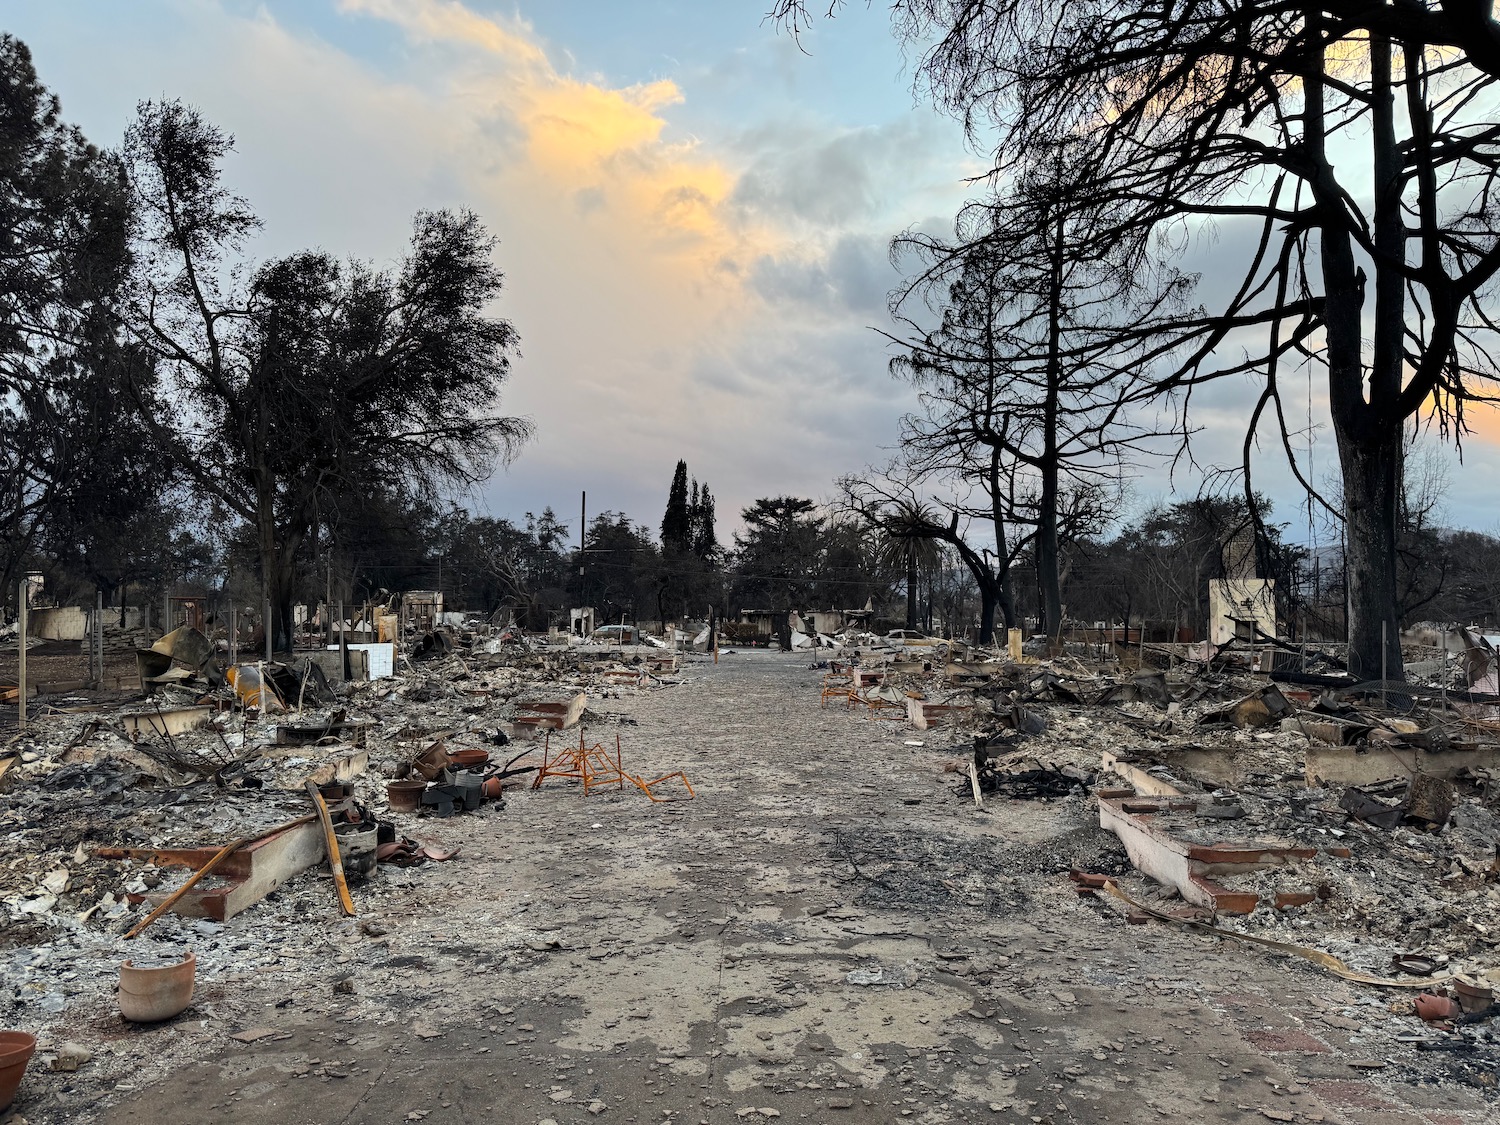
107,800
1360,821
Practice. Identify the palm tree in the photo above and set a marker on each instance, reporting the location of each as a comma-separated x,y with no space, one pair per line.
907,539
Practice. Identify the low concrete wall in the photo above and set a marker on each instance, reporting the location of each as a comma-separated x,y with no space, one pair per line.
60,623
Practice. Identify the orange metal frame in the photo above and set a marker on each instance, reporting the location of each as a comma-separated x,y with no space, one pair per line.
838,685
593,766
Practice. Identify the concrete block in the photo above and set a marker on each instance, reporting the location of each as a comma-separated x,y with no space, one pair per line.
1349,765
166,722
924,714
1190,868
1142,781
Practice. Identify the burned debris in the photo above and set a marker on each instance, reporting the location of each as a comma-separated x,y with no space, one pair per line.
141,826
1355,826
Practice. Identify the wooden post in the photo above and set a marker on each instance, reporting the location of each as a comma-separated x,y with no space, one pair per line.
96,642
265,616
234,634
21,657
344,647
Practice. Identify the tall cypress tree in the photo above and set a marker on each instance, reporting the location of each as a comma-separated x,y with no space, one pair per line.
705,539
676,524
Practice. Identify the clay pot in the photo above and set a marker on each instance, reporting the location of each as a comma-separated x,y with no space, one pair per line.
493,787
1473,996
150,995
357,844
404,796
468,759
1434,1008
16,1049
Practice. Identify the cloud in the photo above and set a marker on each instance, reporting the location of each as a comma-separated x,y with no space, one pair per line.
600,146
697,293
702,300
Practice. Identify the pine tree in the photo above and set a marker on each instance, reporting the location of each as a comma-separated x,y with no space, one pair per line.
676,524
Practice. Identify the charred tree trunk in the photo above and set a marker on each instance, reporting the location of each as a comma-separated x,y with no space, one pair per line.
278,562
1372,485
987,600
1368,430
1000,578
1046,533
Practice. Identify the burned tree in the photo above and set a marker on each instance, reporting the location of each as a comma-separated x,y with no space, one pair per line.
281,394
1355,146
889,503
1028,375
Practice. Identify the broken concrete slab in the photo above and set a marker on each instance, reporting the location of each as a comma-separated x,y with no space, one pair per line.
1139,779
241,880
1188,867
351,731
1349,765
925,713
168,722
551,714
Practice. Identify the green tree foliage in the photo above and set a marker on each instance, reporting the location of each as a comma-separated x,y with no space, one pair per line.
493,566
620,566
119,518
686,577
676,523
701,517
63,218
793,556
777,554
285,395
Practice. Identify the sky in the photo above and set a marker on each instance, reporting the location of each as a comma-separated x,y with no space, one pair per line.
693,213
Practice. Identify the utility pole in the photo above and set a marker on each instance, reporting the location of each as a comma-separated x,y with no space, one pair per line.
583,515
21,657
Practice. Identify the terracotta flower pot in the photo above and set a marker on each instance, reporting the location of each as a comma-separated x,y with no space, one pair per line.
1473,995
404,796
150,995
16,1049
468,759
1434,1008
